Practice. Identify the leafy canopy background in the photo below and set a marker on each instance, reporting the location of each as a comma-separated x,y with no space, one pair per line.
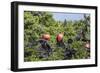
37,23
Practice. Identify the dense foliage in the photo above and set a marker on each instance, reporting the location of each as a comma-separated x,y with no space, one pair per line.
76,35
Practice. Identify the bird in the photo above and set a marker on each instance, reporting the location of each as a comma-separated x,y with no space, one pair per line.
45,47
59,37
69,52
70,41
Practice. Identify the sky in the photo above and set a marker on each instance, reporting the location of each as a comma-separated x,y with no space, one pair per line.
68,16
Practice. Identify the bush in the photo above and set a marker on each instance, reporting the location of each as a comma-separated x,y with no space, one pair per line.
38,23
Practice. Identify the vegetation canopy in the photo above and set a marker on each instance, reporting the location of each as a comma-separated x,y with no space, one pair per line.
46,38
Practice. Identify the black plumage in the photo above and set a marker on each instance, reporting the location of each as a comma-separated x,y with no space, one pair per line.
69,53
45,48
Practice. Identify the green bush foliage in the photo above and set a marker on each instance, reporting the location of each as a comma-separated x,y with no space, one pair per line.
37,23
